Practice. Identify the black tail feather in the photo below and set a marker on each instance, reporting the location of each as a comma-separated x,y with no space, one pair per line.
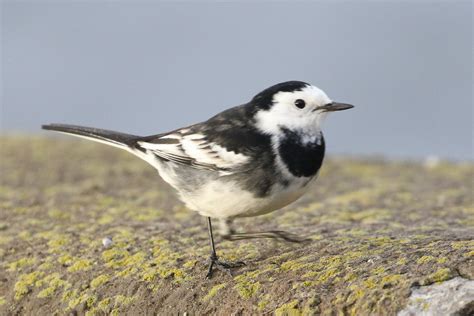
116,138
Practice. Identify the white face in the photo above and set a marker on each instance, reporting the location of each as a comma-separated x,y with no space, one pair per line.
295,111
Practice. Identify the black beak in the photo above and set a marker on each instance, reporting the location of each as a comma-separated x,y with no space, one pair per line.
334,106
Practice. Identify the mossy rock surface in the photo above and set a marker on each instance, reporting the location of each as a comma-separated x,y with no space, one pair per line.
376,229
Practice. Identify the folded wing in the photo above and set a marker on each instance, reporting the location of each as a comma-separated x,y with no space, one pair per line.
195,150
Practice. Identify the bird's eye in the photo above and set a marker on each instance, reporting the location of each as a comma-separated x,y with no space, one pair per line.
300,104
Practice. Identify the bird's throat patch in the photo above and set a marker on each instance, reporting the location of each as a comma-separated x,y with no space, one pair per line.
301,159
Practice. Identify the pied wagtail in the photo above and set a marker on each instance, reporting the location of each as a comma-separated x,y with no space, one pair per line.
249,160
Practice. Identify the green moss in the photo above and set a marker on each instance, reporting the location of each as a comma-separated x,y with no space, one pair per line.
288,309
100,280
213,291
25,283
80,265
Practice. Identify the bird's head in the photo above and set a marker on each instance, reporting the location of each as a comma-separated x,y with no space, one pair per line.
293,105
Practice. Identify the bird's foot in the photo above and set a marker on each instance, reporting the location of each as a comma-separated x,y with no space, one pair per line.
276,234
222,266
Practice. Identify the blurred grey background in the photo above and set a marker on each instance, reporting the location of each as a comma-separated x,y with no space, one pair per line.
148,67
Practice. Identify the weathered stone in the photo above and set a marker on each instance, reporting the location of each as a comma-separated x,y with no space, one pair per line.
452,297
376,230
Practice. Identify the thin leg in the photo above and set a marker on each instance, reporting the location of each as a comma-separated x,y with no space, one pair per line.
214,260
213,248
275,234
228,232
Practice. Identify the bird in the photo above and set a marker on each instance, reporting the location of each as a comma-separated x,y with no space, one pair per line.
246,161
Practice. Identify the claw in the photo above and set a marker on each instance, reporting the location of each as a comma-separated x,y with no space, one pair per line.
222,266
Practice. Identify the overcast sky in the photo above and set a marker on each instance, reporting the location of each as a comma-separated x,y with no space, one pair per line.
148,67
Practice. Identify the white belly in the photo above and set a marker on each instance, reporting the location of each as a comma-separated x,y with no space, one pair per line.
221,198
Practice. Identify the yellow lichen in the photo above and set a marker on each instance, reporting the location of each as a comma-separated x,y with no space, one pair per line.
469,254
90,301
80,265
100,280
77,299
288,309
247,289
54,283
293,265
2,301
391,279
127,272
442,260
20,263
57,242
213,291
65,259
114,257
263,303
5,239
45,266
114,312
441,275
425,259
402,261
378,270
104,305
189,264
462,244
123,301
25,282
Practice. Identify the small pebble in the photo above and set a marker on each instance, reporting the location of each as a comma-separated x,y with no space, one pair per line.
107,242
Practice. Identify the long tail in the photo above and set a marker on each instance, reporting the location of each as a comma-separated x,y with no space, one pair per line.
120,140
